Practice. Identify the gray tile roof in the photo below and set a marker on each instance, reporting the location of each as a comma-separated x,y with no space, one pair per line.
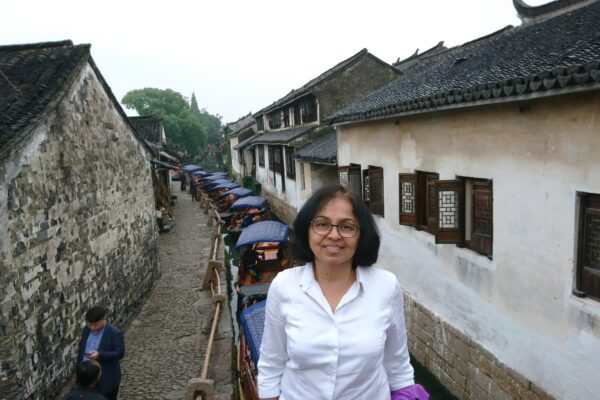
283,136
31,75
554,55
306,89
322,150
150,127
245,143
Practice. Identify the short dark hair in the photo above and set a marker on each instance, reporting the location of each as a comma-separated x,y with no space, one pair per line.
88,372
367,248
95,314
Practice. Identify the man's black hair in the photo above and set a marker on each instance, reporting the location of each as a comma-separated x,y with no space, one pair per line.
367,248
95,314
88,373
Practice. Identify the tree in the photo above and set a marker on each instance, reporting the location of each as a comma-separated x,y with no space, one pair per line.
182,126
211,122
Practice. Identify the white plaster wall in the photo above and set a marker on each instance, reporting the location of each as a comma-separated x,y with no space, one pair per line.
518,305
235,162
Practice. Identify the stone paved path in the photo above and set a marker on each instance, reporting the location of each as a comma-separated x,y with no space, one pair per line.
165,343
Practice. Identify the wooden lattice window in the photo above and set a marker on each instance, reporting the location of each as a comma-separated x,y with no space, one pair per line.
286,117
309,110
408,199
481,210
275,119
449,222
349,177
297,120
418,200
376,194
290,163
588,255
276,158
260,124
464,214
261,155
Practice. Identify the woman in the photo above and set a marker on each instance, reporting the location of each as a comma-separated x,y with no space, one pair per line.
334,328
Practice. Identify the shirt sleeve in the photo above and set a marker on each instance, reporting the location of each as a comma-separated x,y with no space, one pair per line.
396,359
273,349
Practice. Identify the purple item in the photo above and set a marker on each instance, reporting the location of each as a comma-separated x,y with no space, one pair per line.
412,392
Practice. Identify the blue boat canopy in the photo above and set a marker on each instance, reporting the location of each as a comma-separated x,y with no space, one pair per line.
214,177
211,184
253,322
228,185
200,173
237,192
263,231
190,168
250,201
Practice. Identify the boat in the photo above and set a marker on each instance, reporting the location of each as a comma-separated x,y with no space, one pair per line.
266,253
252,320
246,211
226,199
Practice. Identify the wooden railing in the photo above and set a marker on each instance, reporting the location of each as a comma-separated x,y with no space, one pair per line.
202,388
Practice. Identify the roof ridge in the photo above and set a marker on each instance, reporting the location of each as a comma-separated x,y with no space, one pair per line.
36,46
311,83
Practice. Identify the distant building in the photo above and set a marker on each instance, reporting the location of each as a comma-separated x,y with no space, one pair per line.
76,210
296,120
242,161
152,129
482,164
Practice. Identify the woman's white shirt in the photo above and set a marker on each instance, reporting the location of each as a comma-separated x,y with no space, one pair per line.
357,352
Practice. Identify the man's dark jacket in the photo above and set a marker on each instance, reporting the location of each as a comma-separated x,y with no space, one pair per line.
84,393
110,351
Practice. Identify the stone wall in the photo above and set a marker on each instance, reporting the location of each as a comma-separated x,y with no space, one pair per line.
462,366
78,229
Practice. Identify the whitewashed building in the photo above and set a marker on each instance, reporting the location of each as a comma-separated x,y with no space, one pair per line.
482,165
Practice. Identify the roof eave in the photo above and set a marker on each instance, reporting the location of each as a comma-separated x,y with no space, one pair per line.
477,103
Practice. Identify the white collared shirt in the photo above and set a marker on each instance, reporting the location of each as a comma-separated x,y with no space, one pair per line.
310,352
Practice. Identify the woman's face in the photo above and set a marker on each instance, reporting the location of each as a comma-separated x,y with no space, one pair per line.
333,249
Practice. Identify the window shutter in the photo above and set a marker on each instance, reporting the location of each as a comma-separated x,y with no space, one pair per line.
449,219
354,180
589,243
376,198
408,211
482,235
343,176
365,191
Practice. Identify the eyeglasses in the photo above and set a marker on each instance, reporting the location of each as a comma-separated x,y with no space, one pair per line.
345,229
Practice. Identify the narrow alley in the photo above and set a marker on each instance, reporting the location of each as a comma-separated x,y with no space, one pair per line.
166,342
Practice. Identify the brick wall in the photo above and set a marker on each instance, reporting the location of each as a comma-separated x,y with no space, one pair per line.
465,368
77,217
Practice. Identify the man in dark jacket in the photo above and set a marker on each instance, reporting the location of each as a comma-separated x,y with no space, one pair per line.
88,376
104,343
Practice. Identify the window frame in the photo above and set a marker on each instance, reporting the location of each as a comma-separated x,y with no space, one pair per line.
587,277
375,189
290,163
261,155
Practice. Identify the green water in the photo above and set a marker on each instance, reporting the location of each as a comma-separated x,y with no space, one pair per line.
430,383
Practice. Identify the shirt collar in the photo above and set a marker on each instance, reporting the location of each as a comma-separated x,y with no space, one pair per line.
100,332
308,277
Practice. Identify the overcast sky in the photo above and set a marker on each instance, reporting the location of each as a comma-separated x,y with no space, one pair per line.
239,56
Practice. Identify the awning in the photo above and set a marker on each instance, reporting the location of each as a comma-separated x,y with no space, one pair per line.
228,185
263,231
250,201
253,322
190,168
237,192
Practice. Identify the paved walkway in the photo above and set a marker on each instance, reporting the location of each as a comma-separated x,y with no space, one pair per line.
166,342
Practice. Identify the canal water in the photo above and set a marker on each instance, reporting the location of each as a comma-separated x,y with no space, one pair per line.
232,257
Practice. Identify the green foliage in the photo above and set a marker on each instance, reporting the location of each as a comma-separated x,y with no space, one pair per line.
182,125
211,122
